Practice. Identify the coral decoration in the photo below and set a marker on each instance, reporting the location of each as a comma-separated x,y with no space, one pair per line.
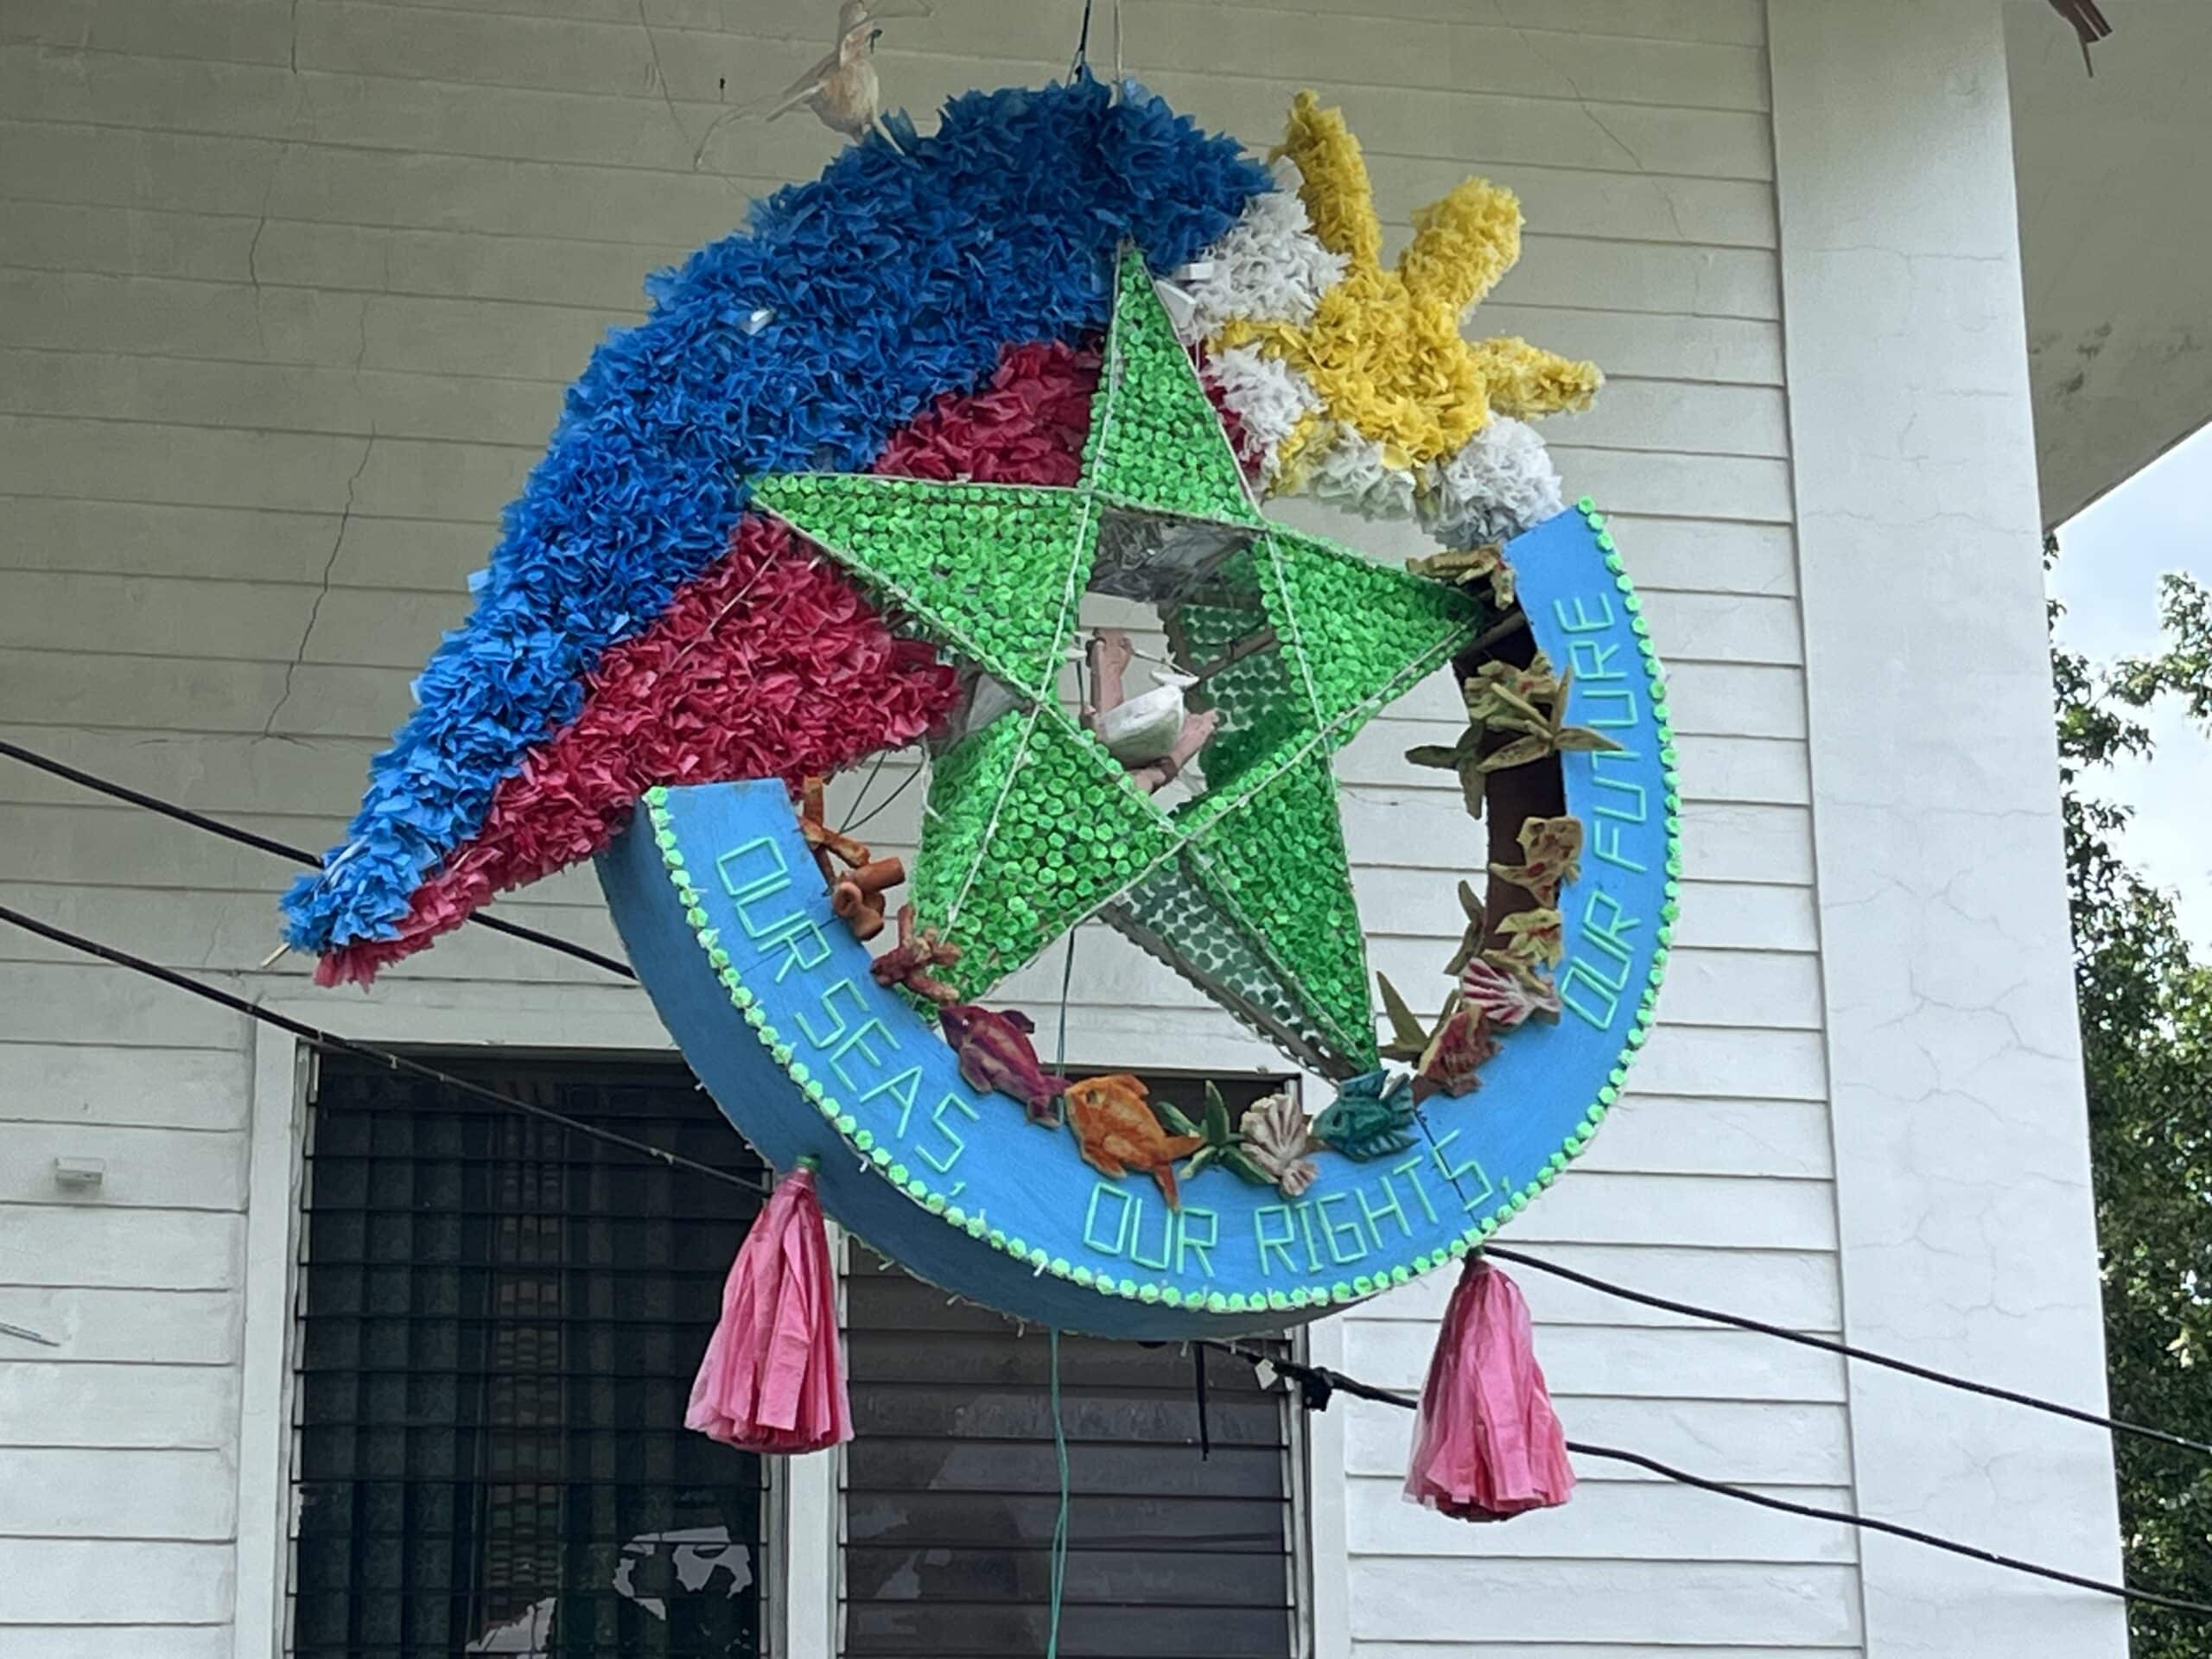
906,965
1384,349
1117,1131
1461,1045
1487,1446
1276,1138
1534,939
1478,929
1371,1117
772,666
1508,993
1445,1060
856,897
840,312
1468,565
772,1379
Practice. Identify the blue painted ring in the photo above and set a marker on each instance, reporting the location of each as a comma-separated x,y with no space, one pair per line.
771,999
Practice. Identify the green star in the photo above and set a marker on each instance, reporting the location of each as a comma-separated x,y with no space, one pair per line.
1244,889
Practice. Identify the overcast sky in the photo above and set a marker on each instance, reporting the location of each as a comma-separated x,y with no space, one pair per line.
2111,556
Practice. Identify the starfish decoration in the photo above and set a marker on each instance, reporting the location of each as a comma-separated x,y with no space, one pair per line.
1384,350
1032,826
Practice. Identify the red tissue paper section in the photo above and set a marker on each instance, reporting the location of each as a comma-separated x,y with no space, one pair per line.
770,665
1487,1446
772,1379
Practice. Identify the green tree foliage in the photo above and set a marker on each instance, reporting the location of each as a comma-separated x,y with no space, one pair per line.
2146,1034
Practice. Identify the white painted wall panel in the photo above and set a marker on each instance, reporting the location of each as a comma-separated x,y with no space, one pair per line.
288,295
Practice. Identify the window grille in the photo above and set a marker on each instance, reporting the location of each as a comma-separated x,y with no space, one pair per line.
499,1322
952,1485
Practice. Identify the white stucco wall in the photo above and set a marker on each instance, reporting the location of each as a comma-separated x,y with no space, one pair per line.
288,290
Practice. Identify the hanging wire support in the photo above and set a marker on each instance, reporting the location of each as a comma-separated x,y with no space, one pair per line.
1849,1350
385,1057
1337,1381
1082,62
275,849
248,838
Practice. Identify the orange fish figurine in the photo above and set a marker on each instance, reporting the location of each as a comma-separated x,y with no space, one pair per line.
1115,1125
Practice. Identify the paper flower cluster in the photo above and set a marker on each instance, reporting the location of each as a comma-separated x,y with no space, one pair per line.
1350,381
771,666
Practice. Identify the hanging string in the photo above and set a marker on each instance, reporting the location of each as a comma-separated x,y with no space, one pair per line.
1060,1558
1059,1573
1337,1381
1082,62
885,805
1198,1375
866,785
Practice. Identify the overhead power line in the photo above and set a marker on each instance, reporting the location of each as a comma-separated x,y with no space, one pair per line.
333,1041
275,848
2118,1425
1849,1350
1319,1383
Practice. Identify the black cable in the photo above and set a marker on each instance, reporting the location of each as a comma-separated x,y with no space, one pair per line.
200,821
1313,1379
1198,1377
1911,1534
904,784
328,1040
1337,1381
246,837
1849,1350
1082,44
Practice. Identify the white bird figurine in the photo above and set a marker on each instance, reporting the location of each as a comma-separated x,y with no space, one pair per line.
842,90
1152,734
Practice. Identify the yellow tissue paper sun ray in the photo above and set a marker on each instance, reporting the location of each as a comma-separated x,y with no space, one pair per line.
1384,352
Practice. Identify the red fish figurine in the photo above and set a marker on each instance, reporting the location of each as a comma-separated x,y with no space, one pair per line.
996,1057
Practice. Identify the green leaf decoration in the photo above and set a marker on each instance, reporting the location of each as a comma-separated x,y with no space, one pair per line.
1518,752
1407,1037
1441,757
1582,740
1219,1130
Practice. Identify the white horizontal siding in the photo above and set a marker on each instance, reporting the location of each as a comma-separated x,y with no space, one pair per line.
288,293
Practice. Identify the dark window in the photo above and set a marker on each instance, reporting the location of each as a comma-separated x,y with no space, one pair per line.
952,1488
500,1319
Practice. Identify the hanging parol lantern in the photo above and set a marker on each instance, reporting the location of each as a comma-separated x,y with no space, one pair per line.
849,486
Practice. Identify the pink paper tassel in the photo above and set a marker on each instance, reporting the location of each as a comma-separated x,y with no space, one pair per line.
1486,1445
773,1379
